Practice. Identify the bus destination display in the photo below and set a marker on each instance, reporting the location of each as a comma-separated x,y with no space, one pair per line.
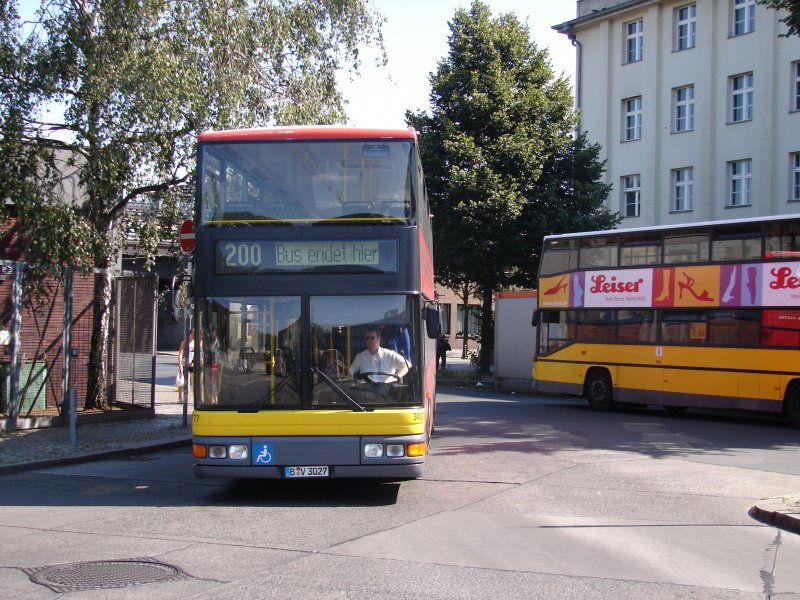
360,256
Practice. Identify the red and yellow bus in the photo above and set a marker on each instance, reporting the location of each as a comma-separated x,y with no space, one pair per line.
697,315
308,238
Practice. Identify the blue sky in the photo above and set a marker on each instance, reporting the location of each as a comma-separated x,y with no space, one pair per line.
415,34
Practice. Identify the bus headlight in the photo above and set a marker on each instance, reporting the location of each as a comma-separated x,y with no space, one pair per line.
217,451
395,450
373,450
238,451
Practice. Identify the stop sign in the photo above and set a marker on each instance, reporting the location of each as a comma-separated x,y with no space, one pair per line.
186,237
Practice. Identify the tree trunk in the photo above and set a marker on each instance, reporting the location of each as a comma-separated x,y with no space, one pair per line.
96,396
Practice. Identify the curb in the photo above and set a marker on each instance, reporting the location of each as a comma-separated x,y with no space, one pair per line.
775,518
83,458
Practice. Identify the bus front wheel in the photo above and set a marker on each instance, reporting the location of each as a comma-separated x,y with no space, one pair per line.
791,404
599,392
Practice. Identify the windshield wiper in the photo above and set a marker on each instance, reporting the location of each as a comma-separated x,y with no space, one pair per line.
258,404
356,406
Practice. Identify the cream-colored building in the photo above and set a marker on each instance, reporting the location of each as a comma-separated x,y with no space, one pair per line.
696,106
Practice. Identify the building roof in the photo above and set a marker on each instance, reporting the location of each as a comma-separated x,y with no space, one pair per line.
598,9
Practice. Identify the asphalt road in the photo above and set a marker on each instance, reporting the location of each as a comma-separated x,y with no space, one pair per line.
524,497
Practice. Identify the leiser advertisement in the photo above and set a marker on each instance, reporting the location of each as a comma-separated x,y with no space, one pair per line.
729,285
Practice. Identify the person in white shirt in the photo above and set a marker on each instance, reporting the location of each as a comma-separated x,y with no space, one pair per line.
377,359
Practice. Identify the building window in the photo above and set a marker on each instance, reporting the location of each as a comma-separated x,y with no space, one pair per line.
743,17
632,109
682,189
741,97
740,174
631,195
634,41
473,321
685,27
794,193
796,85
683,98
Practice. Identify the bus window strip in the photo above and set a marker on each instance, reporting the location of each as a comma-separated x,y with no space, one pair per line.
775,241
606,330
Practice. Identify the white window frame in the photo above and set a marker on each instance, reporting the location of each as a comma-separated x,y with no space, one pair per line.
743,17
631,195
796,86
632,119
683,189
683,109
794,188
685,27
634,41
741,95
740,182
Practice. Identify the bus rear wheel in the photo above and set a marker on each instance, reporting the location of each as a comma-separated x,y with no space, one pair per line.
599,392
791,404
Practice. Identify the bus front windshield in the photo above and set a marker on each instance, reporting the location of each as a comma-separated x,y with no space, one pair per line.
357,353
307,182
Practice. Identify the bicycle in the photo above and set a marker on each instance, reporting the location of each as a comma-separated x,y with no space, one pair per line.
475,358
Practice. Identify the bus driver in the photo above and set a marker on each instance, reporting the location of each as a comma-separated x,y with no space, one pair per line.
379,360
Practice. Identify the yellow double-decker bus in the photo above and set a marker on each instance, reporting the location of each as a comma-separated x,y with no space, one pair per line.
315,307
697,315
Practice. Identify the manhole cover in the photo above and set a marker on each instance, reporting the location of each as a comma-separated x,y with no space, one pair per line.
104,574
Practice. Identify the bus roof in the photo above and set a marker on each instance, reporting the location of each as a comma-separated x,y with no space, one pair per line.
660,228
306,132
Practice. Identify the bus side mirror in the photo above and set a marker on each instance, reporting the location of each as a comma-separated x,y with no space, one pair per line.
534,318
433,325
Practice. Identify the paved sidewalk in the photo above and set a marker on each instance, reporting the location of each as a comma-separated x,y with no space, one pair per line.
36,448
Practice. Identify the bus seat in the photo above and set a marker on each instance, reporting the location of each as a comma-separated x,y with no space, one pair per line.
285,210
394,209
356,208
240,210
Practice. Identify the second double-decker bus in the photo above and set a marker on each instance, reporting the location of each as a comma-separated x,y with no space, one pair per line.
312,244
698,315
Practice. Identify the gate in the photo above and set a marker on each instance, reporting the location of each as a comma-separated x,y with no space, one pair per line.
132,351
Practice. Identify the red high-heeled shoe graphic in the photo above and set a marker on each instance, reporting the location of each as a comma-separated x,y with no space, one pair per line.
688,285
561,285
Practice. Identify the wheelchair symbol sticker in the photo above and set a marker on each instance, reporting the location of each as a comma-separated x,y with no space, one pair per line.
262,454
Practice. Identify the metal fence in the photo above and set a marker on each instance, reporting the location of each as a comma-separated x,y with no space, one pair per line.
45,342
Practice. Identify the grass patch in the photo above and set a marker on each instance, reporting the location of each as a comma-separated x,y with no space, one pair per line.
461,377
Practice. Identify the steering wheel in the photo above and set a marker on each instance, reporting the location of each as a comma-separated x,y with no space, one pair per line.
367,376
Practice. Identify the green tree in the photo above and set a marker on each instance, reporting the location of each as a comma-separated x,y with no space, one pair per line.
133,82
792,19
503,166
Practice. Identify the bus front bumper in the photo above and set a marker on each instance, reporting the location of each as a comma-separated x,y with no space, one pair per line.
398,457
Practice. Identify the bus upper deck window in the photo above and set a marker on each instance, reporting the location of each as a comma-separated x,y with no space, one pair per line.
782,240
559,256
736,243
598,252
640,249
686,247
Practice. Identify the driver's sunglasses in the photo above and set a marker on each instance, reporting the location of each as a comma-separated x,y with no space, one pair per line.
370,337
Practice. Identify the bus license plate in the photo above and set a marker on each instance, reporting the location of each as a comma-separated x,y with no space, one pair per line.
292,472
